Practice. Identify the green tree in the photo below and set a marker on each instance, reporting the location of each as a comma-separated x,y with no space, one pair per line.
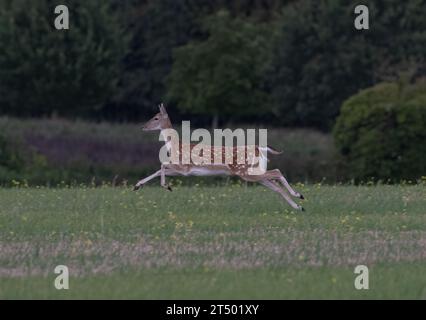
160,26
67,72
320,59
223,75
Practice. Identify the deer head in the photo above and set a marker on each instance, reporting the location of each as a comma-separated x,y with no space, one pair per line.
159,122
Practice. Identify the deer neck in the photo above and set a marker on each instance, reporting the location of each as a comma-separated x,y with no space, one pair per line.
167,140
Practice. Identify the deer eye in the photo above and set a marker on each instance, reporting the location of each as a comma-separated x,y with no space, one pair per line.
155,118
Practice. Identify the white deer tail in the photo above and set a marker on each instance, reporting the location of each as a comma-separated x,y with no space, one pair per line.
273,151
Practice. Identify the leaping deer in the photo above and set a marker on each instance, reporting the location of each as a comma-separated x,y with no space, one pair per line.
270,178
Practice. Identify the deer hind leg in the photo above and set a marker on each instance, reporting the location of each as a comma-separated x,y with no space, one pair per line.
277,175
275,187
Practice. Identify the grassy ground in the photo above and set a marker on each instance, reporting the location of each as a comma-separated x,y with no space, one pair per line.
213,242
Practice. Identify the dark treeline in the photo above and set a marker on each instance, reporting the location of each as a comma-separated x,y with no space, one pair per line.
290,63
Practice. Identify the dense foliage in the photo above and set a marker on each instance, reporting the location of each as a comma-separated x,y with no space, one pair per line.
44,71
304,56
157,28
320,59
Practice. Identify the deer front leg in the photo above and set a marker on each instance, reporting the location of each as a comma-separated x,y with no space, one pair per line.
162,173
163,177
145,180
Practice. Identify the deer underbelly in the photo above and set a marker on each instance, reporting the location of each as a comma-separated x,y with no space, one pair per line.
208,171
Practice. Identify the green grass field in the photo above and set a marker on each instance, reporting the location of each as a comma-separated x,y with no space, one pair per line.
217,242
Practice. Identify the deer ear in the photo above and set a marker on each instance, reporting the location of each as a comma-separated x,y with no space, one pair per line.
162,109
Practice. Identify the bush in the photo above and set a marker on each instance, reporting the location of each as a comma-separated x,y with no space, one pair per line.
381,132
10,158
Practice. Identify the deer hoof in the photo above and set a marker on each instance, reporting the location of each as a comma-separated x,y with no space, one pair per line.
302,197
136,188
167,187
